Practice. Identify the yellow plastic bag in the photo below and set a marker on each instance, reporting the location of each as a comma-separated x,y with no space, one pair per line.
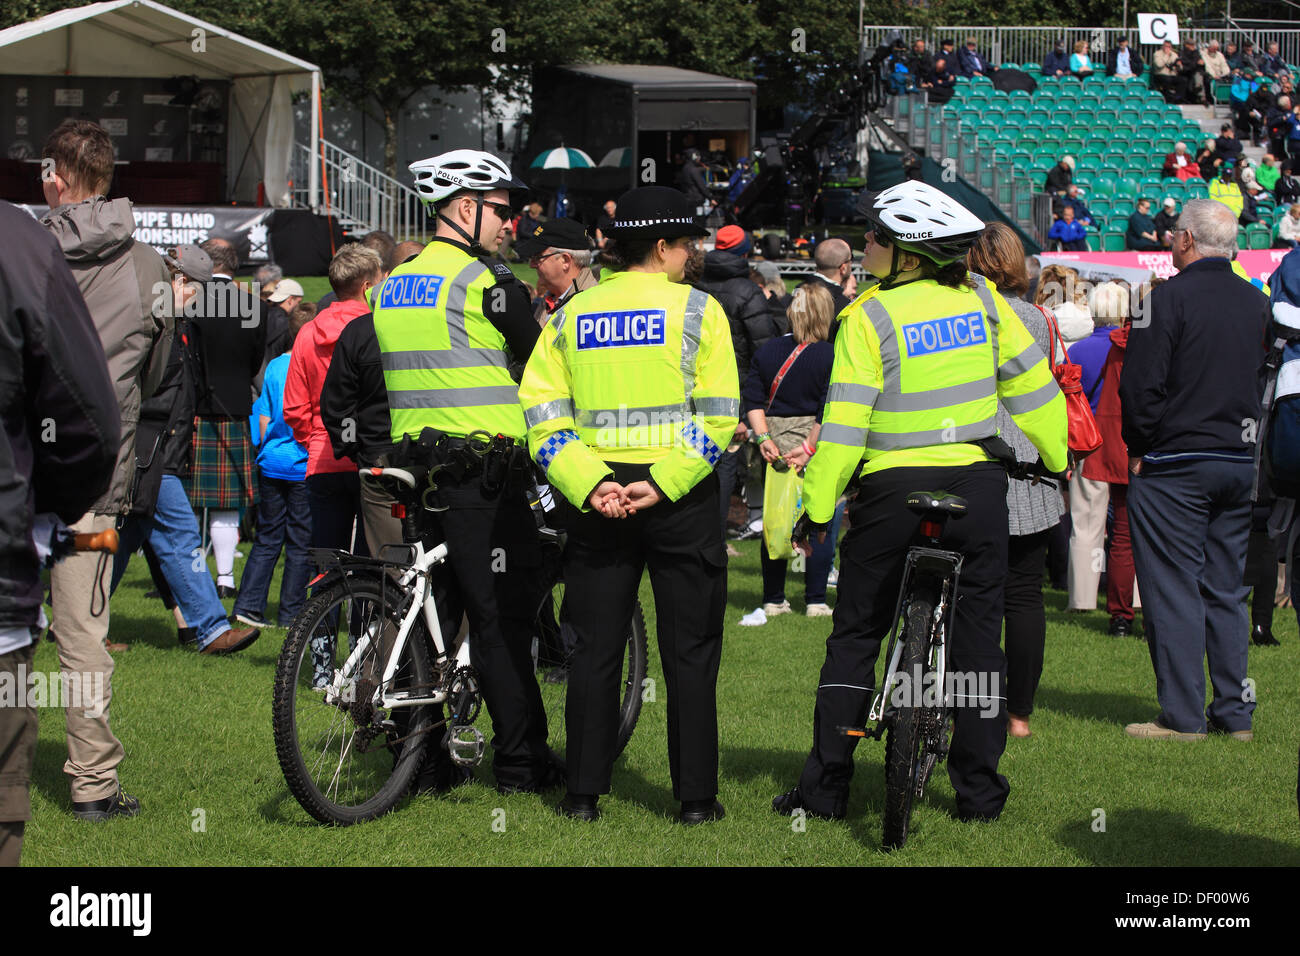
782,505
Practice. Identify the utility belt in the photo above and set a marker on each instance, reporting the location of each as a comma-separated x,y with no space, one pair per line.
498,462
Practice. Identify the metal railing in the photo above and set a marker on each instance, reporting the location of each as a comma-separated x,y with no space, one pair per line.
954,145
1019,45
362,197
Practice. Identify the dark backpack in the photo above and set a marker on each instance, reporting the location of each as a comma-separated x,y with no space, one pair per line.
1278,443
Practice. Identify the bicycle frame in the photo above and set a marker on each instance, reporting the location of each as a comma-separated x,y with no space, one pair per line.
946,567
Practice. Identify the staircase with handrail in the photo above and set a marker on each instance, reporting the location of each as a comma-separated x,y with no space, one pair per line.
360,196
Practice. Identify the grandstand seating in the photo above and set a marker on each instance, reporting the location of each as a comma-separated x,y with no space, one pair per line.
1118,132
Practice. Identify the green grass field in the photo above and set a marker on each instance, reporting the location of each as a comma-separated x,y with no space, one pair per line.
197,734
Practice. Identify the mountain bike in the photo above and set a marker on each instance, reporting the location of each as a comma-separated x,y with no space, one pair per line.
370,675
917,721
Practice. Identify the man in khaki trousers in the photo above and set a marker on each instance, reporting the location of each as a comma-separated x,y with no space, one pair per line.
128,293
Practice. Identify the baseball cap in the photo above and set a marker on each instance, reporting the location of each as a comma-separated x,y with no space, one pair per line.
729,237
285,288
1169,201
190,260
553,234
768,270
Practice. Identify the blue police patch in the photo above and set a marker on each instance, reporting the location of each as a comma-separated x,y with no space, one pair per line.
405,291
599,330
942,335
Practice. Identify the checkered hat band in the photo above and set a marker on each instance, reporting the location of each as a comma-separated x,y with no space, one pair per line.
641,223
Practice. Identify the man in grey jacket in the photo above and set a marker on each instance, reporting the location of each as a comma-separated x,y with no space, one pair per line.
128,293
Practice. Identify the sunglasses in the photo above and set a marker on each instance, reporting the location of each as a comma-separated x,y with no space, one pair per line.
503,210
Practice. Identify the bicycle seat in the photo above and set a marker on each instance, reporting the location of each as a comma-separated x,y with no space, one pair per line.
928,502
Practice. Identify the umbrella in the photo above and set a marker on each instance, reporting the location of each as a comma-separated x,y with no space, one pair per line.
618,157
1007,80
562,158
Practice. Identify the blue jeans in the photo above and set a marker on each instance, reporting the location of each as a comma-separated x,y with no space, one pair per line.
1190,522
173,533
283,520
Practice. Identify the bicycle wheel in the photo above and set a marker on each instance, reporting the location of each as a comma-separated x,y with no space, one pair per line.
553,652
349,760
905,740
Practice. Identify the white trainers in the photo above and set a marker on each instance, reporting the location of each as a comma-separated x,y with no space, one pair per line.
771,610
833,579
818,610
755,618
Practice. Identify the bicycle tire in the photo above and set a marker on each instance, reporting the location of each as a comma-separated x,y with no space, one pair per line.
905,740
385,774
552,658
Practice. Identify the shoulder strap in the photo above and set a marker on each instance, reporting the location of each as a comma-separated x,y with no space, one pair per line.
776,382
500,271
1054,338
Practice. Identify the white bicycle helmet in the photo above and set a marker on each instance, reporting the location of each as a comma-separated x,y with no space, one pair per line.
440,176
918,218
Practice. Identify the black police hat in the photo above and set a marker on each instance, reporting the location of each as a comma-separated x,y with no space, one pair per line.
654,212
554,233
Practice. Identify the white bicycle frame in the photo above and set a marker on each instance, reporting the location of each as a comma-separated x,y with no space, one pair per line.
414,581
938,646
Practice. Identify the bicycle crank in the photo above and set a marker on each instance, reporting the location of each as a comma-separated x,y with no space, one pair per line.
465,745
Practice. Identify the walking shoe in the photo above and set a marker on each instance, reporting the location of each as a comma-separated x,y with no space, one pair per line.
578,806
224,592
818,610
771,610
1247,735
833,579
551,778
439,774
790,801
118,805
1154,730
113,647
249,618
700,811
186,636
1262,635
231,640
1120,626
752,530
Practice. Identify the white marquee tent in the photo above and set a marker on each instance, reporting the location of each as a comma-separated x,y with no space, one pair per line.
141,38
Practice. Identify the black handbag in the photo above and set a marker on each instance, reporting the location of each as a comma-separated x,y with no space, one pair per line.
147,479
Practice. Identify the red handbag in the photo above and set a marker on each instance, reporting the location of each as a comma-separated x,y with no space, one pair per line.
1084,436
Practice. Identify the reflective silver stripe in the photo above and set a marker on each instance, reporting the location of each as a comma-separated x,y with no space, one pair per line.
1020,404
849,392
935,398
692,322
415,360
545,412
1022,363
718,407
454,397
623,417
457,336
843,435
984,289
884,327
878,441
558,319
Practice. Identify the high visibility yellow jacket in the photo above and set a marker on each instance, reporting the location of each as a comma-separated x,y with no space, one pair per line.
635,369
445,363
1228,193
919,371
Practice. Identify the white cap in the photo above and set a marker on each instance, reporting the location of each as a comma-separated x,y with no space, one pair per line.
285,288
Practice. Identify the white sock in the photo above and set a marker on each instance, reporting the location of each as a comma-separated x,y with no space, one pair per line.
224,528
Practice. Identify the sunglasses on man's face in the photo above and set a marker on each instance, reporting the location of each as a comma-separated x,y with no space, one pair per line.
503,210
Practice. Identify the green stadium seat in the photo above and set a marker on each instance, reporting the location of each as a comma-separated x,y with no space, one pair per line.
1096,145
1198,192
1144,147
1032,67
1090,160
1103,182
1020,95
1259,236
1129,116
1084,179
1101,205
1113,242
1042,116
1072,146
1243,241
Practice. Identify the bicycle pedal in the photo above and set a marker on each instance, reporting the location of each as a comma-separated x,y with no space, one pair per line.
465,745
854,731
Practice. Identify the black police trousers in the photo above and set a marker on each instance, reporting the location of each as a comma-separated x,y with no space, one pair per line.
493,574
681,544
871,571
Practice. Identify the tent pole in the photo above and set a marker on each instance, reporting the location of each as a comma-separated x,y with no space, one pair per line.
313,176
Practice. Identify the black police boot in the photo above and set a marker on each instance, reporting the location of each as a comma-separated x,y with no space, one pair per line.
787,803
578,806
1120,626
701,811
551,777
1262,635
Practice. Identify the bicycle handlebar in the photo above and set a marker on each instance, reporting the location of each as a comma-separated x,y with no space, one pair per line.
101,541
1033,472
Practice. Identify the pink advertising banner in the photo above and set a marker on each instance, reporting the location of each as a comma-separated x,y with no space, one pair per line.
1258,263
